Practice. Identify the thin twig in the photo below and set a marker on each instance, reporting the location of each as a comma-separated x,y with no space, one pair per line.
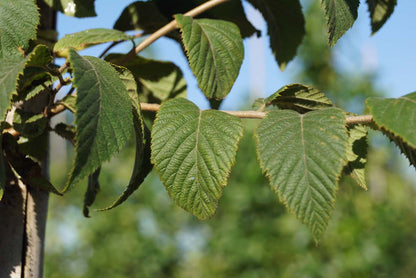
351,120
173,24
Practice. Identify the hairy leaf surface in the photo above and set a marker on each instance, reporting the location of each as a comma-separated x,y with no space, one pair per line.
193,152
285,25
103,116
397,119
87,38
300,98
303,156
357,154
10,67
380,11
157,80
142,165
341,15
18,22
77,8
215,52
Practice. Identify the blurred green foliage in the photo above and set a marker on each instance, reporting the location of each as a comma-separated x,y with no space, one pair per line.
371,234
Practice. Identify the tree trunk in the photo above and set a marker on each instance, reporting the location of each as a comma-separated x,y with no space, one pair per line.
23,209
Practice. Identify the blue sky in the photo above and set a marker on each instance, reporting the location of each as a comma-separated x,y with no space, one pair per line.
390,53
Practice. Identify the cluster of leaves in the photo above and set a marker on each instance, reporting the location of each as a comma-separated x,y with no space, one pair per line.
304,142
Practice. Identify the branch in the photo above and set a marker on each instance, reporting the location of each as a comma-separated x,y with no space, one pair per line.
173,24
351,120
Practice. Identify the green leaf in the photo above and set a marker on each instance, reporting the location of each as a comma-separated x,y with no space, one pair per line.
77,8
142,164
18,22
157,80
396,115
141,15
69,102
35,73
30,126
303,156
285,25
92,190
300,98
215,52
340,15
66,131
380,11
103,118
88,38
396,118
357,154
193,152
10,67
232,11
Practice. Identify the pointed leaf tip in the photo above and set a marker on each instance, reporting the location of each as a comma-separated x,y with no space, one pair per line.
340,15
303,156
215,53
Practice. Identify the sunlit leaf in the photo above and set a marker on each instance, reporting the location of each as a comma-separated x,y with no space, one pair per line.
88,38
77,8
285,26
303,156
103,117
215,52
397,119
193,152
18,22
69,102
380,11
300,98
341,15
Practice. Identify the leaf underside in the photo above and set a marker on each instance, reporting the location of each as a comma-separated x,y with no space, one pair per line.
142,165
215,53
286,27
300,98
157,80
303,156
357,154
103,116
87,38
193,152
380,11
340,15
